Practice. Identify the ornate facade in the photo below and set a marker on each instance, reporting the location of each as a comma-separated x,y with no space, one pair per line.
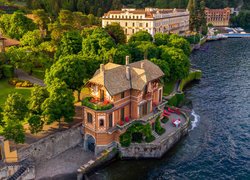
152,20
120,95
218,17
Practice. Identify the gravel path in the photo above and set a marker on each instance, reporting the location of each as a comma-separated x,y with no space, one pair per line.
65,163
25,76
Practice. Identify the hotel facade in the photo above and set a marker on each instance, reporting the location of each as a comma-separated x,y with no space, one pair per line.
218,17
152,20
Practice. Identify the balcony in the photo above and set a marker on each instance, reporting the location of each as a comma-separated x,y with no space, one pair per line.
96,104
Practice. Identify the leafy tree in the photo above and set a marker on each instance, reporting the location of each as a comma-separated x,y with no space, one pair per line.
60,104
31,38
16,25
35,124
38,96
71,43
191,7
2,123
179,63
164,67
79,20
161,39
71,70
65,17
140,36
116,32
203,19
97,44
122,51
14,131
181,43
41,18
145,50
15,107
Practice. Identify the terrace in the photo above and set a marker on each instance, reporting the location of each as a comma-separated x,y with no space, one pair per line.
97,104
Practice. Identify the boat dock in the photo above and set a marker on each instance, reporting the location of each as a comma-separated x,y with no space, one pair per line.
237,35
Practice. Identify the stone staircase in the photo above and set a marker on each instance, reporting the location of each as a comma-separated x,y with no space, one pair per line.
155,134
23,168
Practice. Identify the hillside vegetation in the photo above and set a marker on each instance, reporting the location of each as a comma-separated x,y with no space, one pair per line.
99,7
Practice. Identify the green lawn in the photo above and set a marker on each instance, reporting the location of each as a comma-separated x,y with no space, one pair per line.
38,73
6,89
168,87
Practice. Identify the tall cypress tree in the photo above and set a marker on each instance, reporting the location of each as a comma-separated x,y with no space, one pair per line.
191,8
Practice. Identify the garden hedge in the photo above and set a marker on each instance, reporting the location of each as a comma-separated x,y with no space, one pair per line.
8,71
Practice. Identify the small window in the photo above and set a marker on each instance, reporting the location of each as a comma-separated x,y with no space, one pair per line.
133,24
140,24
122,95
110,120
89,118
146,24
126,24
101,122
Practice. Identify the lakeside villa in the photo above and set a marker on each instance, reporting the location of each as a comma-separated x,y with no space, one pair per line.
121,94
218,17
152,20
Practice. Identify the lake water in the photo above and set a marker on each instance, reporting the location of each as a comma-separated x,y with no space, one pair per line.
218,144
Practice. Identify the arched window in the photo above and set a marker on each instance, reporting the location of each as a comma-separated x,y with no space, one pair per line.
90,118
101,122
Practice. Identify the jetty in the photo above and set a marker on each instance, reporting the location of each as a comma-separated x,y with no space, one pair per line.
237,35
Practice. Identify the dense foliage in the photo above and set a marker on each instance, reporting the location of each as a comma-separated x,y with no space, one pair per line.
137,133
99,7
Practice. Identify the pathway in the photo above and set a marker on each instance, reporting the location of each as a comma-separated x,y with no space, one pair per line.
65,163
25,76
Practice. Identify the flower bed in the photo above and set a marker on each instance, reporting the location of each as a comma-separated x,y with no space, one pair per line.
96,104
20,83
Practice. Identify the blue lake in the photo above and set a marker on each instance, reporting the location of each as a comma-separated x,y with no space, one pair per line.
218,146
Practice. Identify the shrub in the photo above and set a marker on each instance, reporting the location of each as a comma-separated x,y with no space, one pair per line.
137,137
125,139
20,83
8,71
176,100
150,139
158,129
135,133
165,120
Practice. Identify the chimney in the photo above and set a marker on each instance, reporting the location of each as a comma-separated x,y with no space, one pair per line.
102,68
128,72
127,60
142,65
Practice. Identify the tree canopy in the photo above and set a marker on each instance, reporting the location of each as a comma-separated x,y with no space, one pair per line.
59,106
69,69
16,25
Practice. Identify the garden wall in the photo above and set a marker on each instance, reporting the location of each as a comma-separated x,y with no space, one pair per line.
154,150
52,145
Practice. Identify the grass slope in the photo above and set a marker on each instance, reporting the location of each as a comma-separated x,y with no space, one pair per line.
6,89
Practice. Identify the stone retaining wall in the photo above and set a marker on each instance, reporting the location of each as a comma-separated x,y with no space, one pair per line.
52,145
154,150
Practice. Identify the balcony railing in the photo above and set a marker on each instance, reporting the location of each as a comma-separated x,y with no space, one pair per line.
96,104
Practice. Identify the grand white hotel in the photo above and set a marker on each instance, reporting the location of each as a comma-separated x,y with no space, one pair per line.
152,20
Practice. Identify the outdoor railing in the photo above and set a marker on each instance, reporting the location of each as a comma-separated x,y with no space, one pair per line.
91,103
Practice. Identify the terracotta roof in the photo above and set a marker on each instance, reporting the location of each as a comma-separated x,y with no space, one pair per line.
10,42
114,79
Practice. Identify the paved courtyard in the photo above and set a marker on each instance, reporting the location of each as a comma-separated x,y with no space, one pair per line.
170,128
66,163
